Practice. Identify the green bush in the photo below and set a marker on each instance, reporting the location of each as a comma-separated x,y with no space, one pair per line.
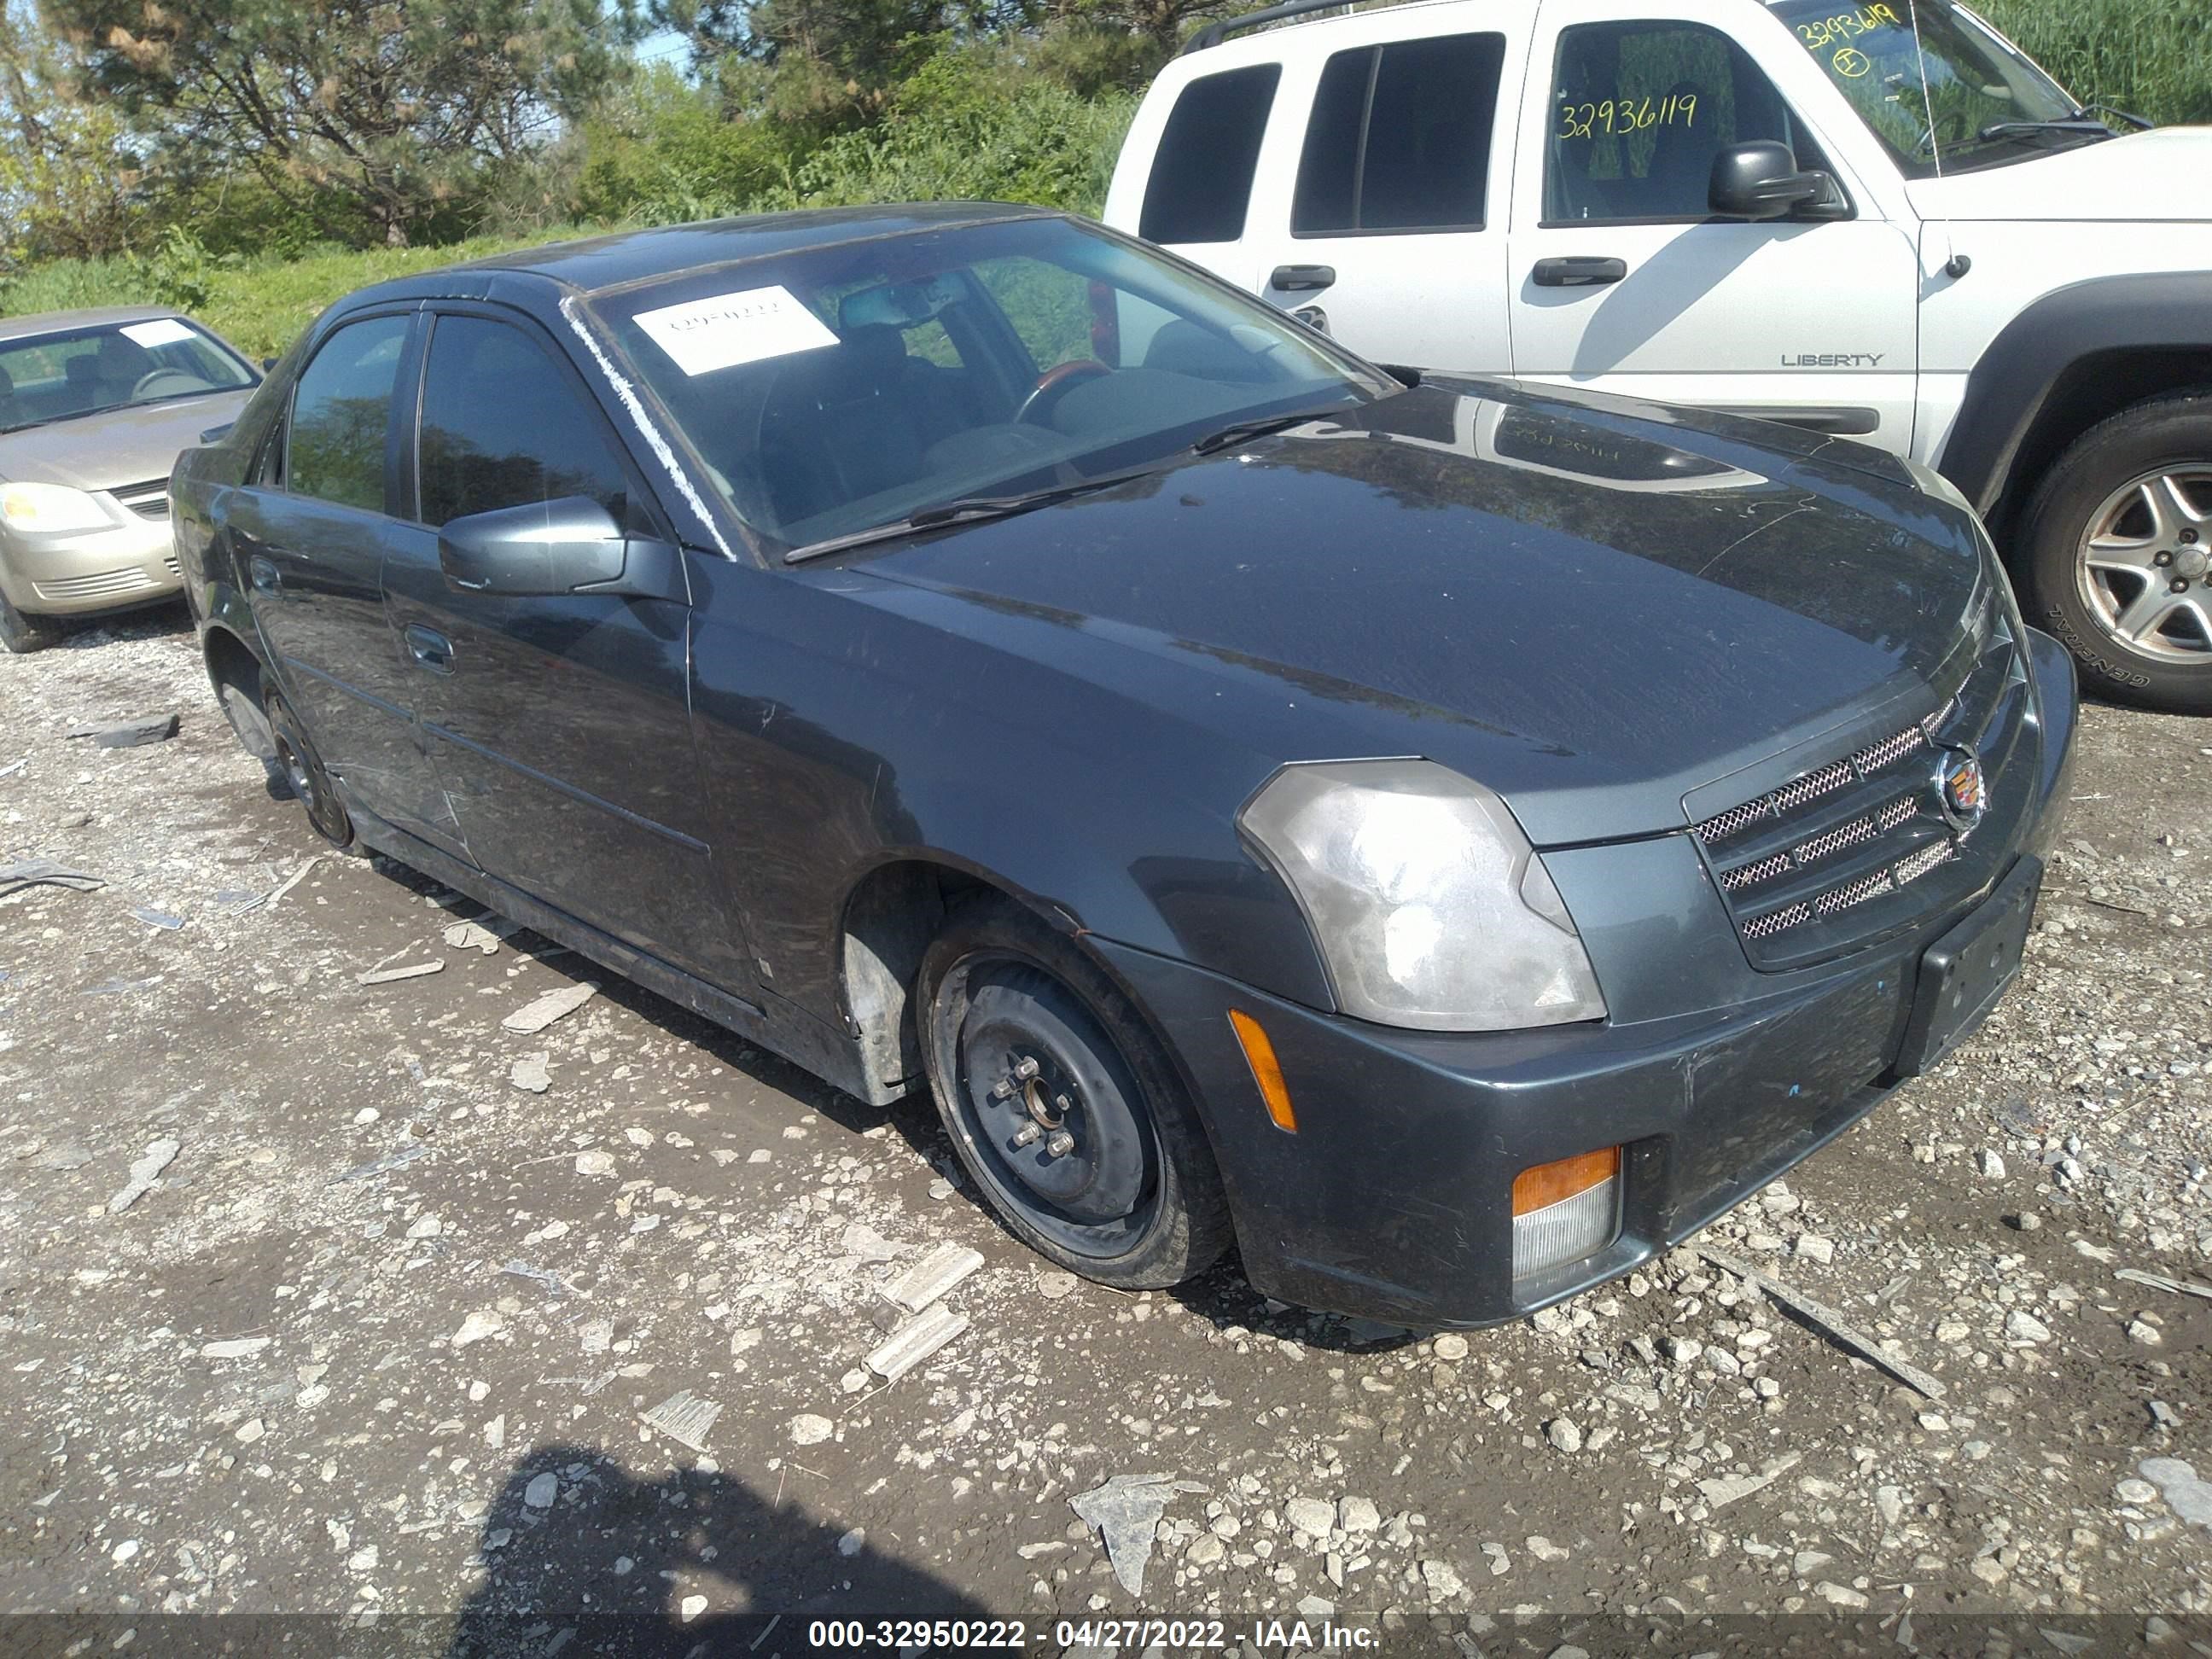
2152,56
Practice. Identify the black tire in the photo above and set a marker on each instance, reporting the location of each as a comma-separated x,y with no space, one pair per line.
2094,489
303,770
1135,1201
21,634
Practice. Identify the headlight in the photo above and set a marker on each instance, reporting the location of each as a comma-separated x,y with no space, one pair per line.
50,510
1428,906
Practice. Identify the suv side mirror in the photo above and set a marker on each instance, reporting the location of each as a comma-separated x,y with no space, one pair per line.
1760,180
572,545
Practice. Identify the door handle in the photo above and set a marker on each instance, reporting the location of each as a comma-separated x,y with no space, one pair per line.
430,648
263,575
1301,279
1579,270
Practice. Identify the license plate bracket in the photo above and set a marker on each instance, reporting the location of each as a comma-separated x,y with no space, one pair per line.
1963,974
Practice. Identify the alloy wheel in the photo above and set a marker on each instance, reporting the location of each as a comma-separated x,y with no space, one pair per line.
2145,565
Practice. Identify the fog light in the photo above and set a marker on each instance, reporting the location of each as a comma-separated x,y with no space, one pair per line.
1564,1211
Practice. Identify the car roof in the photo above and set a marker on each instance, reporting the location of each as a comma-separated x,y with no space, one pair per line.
57,322
630,255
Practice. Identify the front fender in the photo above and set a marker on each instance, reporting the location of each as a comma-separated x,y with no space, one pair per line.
837,738
2036,363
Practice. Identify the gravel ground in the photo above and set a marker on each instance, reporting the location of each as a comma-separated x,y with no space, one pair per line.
320,1296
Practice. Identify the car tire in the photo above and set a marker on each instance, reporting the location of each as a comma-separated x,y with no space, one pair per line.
303,770
2117,544
1131,1198
21,634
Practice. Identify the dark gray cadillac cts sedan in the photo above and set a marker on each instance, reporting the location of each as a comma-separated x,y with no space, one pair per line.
1445,839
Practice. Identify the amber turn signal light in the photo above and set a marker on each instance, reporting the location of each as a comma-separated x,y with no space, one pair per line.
1267,1071
1547,1184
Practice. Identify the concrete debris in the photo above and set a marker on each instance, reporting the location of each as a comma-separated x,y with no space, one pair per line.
595,1161
73,1155
1989,1164
1451,1346
2186,1495
1056,1283
477,1326
916,1341
535,1015
393,975
932,1276
1311,1515
143,1174
234,1347
1126,1514
854,1542
1830,1322
530,1072
45,873
809,1430
542,1491
131,734
684,1417
2161,1282
481,936
2022,1327
1722,1491
385,1165
862,1240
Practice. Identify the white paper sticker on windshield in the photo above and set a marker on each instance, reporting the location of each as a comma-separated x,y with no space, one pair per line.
162,331
728,329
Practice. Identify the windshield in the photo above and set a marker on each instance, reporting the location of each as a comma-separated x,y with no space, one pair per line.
853,385
1962,98
87,371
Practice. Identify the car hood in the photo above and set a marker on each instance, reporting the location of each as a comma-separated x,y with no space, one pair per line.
1593,612
135,444
2142,176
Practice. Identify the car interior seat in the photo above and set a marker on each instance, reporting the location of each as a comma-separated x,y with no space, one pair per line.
1679,182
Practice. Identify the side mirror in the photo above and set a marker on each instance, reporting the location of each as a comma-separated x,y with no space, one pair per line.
1760,180
268,363
572,545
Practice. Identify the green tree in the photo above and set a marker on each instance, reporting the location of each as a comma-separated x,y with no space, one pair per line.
69,176
395,107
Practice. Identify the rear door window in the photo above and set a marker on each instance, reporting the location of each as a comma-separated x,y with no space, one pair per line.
1399,137
1202,180
342,415
503,426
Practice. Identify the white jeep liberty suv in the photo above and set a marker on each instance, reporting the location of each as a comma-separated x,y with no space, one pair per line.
1881,223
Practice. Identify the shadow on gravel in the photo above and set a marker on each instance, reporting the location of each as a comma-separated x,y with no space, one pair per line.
576,1543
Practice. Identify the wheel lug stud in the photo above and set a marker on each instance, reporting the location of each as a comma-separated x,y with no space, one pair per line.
2161,560
1002,1090
2178,586
1060,1144
2188,537
1025,1068
1059,1104
1026,1134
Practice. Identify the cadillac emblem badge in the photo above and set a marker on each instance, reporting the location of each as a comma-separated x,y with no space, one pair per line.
1963,792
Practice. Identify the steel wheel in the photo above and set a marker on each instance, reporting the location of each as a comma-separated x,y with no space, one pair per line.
2144,562
1062,1105
1061,1133
297,760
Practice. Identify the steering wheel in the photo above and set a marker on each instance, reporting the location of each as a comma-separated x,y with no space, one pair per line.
1053,383
152,380
1935,133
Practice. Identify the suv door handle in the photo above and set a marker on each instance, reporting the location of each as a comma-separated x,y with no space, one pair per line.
263,575
1579,270
430,648
1301,279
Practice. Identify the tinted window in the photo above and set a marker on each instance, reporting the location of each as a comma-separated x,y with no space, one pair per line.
1638,112
340,411
1202,174
502,426
1399,137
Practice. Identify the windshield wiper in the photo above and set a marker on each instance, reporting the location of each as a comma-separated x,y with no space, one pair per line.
1244,431
2083,121
965,509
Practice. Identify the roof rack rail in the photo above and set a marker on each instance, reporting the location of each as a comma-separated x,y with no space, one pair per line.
1219,30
